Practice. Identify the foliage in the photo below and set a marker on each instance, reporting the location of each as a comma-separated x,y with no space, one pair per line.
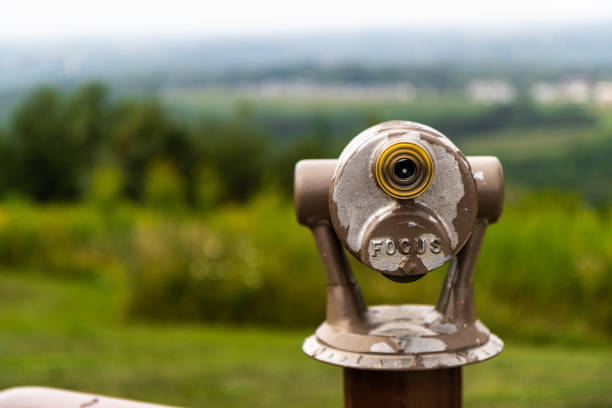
57,141
52,141
548,260
142,133
197,216
581,167
164,187
106,185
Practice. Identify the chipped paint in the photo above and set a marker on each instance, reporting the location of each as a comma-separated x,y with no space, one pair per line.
408,362
413,345
381,347
445,328
357,196
432,260
445,191
481,327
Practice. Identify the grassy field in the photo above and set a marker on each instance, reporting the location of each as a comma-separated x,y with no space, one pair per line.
528,143
222,102
71,334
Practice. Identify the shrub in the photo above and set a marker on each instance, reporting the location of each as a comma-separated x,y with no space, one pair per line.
544,269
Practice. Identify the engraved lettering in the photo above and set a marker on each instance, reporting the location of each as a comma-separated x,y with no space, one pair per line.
435,247
390,247
420,247
404,246
376,246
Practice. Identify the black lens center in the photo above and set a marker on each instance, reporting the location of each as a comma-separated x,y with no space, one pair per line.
404,169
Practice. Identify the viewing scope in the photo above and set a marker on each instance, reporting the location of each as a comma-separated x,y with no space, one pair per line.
403,200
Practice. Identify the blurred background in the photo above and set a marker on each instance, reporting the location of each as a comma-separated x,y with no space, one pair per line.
148,244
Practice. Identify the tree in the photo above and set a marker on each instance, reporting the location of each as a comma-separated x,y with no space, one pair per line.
141,133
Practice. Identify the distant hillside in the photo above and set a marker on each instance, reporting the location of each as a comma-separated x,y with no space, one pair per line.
163,62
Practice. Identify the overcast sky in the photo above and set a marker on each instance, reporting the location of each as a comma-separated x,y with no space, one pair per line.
223,18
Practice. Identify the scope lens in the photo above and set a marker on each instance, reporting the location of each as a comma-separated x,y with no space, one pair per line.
404,169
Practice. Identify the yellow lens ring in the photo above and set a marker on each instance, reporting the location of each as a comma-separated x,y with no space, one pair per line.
417,184
391,160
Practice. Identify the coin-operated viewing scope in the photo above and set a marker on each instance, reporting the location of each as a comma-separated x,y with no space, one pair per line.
403,200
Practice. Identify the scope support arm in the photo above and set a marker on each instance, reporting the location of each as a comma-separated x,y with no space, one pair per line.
456,302
345,305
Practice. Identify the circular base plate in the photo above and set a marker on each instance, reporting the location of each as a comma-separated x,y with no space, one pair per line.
402,362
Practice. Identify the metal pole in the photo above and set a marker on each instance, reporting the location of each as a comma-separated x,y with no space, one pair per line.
403,389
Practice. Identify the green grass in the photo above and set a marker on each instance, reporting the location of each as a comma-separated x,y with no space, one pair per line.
70,334
217,267
223,102
294,116
520,144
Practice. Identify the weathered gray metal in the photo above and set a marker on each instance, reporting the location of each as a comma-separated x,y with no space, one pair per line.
42,397
403,229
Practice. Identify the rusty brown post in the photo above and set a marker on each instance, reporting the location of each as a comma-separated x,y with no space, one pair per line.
391,389
403,200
